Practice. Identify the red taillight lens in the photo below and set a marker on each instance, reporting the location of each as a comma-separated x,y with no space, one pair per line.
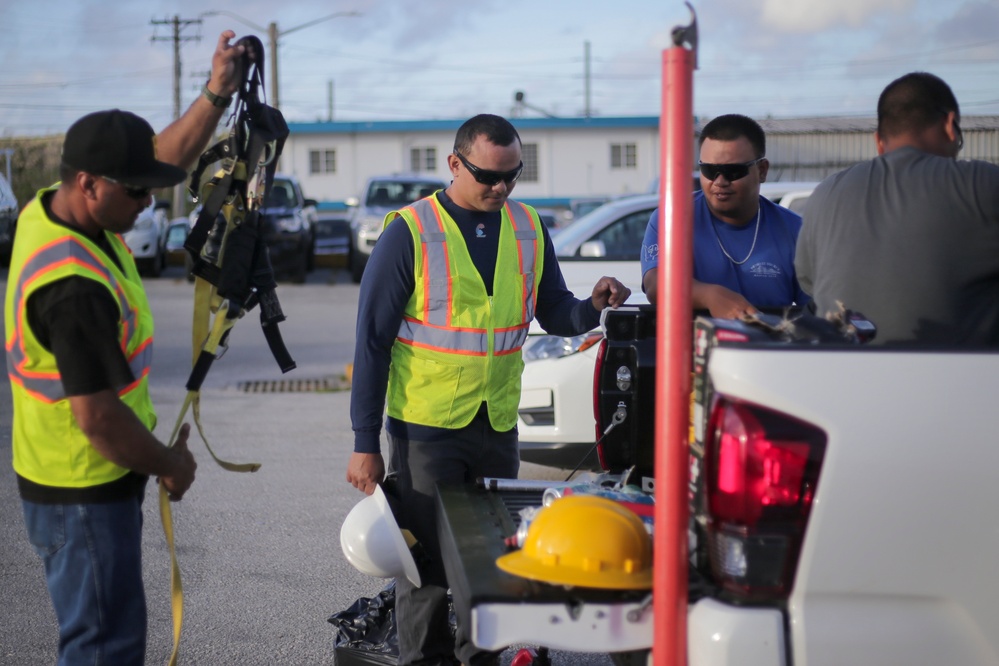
753,470
597,373
762,468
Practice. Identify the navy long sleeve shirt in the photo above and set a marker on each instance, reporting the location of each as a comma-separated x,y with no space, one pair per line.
386,288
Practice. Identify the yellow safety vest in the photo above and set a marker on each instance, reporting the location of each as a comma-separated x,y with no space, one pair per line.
457,346
49,447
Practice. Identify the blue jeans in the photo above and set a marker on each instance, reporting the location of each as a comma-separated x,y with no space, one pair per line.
93,568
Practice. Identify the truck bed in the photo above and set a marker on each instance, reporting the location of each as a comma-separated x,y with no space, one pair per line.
502,609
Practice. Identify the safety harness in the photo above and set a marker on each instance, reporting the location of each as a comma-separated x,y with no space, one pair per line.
231,261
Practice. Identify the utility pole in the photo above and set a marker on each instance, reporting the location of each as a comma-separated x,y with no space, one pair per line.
329,101
586,78
178,25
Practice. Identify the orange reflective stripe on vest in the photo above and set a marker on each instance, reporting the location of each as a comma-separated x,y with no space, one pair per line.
47,386
435,330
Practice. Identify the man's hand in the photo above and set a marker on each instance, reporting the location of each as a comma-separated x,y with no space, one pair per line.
226,75
609,291
365,471
721,302
182,473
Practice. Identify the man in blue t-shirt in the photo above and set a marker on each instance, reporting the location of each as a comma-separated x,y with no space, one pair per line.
743,242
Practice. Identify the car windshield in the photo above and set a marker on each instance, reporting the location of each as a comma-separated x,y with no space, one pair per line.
282,195
396,193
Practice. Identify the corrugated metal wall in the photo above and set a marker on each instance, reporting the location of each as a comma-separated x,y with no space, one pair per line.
813,154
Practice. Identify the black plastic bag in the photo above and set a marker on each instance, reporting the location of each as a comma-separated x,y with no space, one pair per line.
366,631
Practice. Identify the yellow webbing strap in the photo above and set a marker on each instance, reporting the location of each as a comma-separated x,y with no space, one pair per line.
203,305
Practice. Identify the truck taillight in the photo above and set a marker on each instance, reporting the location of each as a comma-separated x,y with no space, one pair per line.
762,469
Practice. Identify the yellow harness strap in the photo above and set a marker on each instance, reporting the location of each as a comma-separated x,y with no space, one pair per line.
205,297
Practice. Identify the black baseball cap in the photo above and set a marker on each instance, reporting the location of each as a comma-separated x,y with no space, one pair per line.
120,145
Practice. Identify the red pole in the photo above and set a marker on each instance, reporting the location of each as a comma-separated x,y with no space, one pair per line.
673,384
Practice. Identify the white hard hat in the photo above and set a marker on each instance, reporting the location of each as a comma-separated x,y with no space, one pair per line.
373,543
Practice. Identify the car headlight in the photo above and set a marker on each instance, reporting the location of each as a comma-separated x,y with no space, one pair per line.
371,224
289,224
540,347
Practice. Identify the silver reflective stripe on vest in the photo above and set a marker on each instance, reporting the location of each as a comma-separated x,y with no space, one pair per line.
527,241
510,340
458,340
434,240
48,385
435,332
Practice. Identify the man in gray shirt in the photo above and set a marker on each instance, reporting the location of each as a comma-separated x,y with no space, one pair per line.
910,238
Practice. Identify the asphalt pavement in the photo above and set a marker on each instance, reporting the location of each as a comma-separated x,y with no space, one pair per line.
259,553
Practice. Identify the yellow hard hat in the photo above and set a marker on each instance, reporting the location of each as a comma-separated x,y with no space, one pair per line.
586,541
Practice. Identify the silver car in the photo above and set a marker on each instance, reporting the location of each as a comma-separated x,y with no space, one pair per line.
381,195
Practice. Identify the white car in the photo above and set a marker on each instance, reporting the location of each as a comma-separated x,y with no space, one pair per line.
147,239
556,424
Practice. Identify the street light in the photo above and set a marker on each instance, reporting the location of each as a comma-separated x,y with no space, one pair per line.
272,38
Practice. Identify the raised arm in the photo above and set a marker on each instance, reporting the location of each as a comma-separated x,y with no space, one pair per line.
185,138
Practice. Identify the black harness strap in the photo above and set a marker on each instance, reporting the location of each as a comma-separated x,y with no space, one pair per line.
226,242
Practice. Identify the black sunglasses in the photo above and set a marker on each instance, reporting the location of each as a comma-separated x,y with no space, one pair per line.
134,192
490,178
732,172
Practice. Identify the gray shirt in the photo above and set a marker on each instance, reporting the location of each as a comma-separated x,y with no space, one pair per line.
911,240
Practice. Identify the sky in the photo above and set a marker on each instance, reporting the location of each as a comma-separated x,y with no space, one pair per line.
451,59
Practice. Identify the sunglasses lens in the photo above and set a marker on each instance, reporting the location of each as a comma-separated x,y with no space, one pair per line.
489,178
732,172
137,192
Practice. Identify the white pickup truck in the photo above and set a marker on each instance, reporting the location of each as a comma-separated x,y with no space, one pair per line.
843,497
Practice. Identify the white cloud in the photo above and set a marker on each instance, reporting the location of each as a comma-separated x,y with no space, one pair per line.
804,16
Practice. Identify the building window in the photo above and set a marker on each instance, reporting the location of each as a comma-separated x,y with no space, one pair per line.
529,153
322,161
624,156
422,159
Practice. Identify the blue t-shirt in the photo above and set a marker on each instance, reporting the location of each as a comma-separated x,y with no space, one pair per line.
766,278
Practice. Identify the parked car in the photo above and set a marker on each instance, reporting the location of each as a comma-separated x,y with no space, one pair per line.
332,240
147,238
289,220
176,255
8,220
381,195
796,201
555,423
555,413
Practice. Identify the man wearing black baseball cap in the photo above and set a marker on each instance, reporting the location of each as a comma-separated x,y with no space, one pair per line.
80,338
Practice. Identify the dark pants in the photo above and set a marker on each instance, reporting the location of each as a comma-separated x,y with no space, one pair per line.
422,613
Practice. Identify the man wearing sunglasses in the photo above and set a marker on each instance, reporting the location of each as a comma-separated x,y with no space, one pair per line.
445,305
743,243
911,237
79,346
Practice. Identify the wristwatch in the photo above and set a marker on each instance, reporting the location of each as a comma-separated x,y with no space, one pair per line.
220,102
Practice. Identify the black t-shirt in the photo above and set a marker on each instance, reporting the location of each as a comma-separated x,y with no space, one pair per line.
76,319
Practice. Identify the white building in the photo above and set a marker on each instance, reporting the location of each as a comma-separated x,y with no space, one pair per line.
564,158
